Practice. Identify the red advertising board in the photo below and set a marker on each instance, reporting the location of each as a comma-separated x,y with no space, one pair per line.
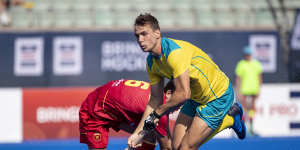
52,113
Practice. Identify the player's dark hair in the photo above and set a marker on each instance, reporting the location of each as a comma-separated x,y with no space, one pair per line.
147,18
169,86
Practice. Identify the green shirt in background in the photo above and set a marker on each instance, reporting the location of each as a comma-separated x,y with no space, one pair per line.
249,72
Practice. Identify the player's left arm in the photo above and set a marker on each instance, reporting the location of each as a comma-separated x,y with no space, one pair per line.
260,71
180,95
238,73
260,78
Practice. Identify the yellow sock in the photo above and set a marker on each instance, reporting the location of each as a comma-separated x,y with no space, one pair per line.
226,123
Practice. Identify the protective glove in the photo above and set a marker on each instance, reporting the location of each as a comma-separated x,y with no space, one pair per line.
149,123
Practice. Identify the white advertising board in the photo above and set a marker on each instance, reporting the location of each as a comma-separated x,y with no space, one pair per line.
11,115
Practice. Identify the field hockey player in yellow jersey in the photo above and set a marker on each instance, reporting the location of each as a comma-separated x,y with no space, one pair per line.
203,89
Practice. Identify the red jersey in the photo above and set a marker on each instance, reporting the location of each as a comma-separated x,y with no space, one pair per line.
129,97
119,101
116,102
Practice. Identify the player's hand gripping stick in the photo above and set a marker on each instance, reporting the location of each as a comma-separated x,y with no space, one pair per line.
149,125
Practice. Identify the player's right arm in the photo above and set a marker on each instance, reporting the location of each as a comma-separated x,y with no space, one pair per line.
180,95
238,72
238,85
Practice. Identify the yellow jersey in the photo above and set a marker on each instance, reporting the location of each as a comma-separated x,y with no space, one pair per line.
249,72
207,81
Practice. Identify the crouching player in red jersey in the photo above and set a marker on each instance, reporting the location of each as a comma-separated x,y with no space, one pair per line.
120,105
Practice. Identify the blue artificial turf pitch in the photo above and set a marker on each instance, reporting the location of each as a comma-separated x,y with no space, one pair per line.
279,143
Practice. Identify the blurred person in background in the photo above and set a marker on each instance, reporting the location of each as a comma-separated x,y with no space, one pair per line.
200,86
4,15
119,105
5,5
248,81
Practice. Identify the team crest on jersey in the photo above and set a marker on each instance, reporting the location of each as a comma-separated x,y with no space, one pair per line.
97,137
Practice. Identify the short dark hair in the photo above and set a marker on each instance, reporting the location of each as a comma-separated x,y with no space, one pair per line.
147,18
169,86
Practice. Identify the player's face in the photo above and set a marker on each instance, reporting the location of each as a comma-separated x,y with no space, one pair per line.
147,37
168,95
247,57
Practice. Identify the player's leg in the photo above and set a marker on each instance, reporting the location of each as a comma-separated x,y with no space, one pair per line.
94,123
243,100
94,134
164,141
92,130
183,122
204,133
212,118
206,123
226,123
231,115
253,100
196,134
252,106
251,112
246,107
233,120
83,117
200,132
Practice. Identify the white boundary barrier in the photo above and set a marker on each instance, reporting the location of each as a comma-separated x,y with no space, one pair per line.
11,115
276,110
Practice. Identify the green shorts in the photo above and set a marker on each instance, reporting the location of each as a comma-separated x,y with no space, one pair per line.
214,111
